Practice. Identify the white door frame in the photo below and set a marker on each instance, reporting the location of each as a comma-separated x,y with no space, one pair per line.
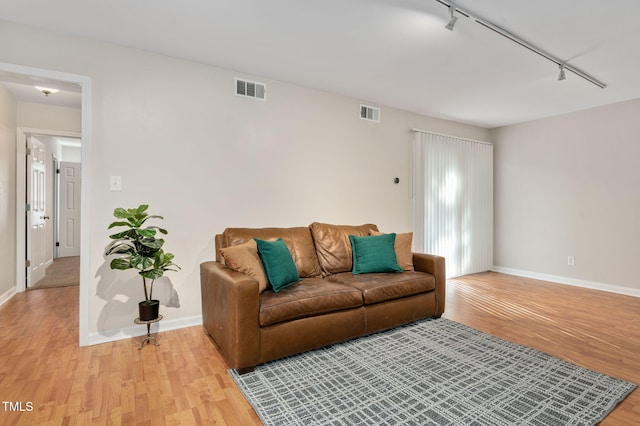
85,135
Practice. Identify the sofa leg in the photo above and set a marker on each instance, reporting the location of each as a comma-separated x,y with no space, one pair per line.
245,370
437,316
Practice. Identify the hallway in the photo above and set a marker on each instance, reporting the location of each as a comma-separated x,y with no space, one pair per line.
64,271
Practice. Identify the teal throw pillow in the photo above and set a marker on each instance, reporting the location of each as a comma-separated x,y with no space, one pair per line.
374,254
278,264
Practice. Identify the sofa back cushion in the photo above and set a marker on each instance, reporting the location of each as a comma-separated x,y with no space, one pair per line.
333,246
245,258
298,240
403,247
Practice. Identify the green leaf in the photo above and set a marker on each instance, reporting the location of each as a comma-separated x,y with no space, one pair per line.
119,247
114,224
121,213
136,222
152,273
168,257
153,243
148,233
145,218
120,264
168,266
157,228
121,235
141,262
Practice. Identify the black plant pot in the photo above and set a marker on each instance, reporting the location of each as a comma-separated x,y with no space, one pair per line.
149,310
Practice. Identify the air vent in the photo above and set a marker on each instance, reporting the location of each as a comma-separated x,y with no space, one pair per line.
251,89
370,113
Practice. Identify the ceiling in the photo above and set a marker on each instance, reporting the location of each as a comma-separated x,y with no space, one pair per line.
22,87
386,52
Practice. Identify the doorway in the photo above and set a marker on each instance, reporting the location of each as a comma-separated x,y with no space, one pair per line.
52,205
12,72
53,209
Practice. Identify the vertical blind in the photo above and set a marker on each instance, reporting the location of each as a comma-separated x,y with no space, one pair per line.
453,201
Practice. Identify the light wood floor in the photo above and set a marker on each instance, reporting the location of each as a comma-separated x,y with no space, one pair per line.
184,380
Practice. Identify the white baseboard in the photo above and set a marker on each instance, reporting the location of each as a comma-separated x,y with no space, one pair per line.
7,295
96,338
569,281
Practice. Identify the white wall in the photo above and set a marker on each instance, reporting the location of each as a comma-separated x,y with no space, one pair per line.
48,117
568,186
206,159
7,194
70,154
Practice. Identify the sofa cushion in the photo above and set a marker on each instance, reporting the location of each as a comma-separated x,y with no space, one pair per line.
244,258
380,287
278,264
374,254
298,240
307,298
403,247
333,246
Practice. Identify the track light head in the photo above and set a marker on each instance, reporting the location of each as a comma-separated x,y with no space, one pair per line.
562,75
452,21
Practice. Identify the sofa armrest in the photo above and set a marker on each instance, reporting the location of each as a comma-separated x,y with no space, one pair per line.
230,313
435,266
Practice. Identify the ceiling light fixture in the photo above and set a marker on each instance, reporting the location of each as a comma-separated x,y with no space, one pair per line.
47,90
454,18
517,40
562,75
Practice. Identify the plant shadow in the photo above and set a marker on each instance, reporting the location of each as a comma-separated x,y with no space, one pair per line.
122,290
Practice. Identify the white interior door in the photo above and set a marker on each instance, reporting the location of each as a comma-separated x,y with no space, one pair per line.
37,215
69,210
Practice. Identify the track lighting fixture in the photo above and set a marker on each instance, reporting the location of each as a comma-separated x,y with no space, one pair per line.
453,9
561,76
454,18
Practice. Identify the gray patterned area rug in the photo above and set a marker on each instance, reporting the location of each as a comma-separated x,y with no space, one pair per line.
432,372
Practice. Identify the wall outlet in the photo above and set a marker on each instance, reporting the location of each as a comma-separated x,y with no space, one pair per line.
571,261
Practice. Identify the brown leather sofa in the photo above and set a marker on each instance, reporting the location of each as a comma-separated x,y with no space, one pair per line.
328,305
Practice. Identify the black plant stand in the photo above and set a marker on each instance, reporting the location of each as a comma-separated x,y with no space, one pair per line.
148,339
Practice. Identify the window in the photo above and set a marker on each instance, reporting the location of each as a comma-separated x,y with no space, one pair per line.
453,201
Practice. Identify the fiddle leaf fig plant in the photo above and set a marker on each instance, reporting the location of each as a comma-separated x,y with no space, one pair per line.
139,247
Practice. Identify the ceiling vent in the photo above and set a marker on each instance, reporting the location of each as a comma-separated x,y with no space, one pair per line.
370,113
251,89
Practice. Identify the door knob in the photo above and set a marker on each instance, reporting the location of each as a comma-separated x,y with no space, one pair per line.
44,217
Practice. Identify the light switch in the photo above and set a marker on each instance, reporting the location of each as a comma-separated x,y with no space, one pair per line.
115,183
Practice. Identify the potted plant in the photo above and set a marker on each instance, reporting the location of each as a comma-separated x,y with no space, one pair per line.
138,247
